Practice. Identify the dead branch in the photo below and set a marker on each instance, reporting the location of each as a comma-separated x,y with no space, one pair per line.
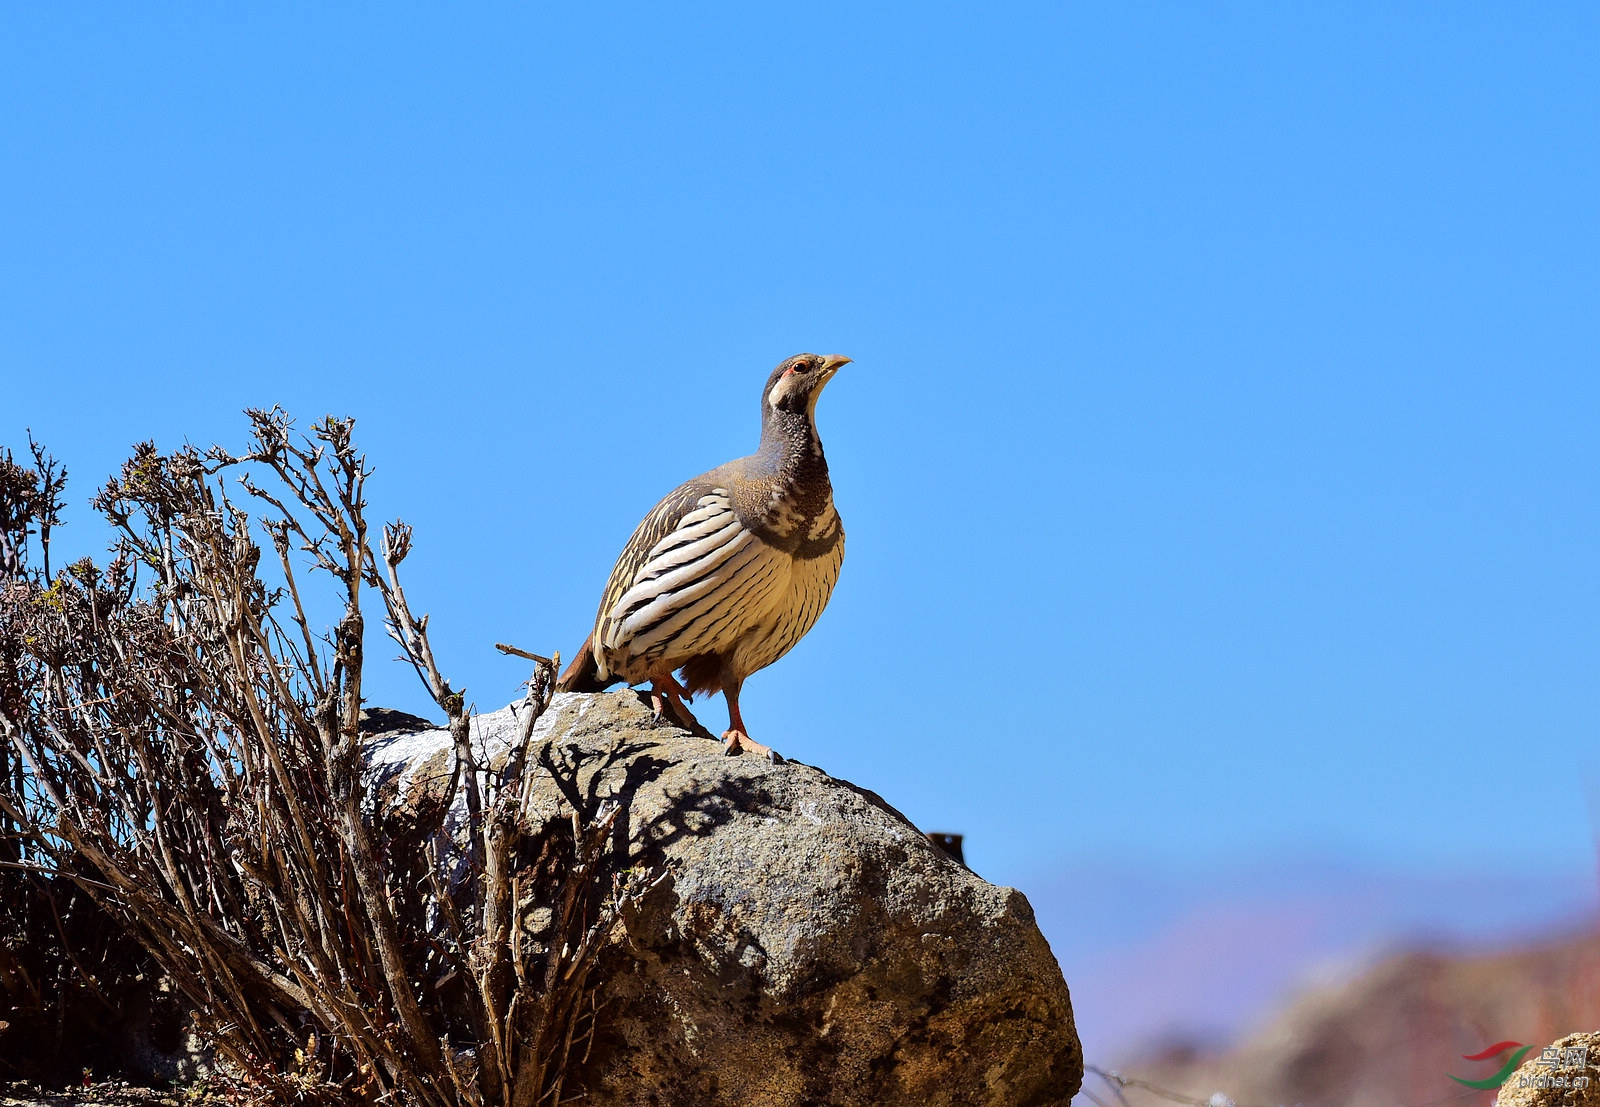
180,742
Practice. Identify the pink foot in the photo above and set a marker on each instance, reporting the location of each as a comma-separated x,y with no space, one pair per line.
664,697
740,742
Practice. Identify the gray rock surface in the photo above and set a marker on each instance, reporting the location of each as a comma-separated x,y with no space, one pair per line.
809,945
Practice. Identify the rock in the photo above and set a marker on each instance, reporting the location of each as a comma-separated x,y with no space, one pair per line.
808,945
157,1040
1568,1078
386,720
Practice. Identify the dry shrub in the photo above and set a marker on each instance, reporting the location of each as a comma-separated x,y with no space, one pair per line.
185,747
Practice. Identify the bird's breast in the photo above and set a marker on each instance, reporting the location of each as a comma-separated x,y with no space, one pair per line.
801,522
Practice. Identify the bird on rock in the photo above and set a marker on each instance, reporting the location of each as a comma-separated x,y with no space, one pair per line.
730,570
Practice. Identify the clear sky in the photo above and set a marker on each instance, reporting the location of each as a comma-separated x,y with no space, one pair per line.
1218,460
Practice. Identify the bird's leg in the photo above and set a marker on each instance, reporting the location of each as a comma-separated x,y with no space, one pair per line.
666,698
738,741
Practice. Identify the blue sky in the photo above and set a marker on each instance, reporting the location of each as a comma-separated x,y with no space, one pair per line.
1218,461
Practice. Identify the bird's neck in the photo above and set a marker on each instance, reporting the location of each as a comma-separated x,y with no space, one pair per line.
792,451
787,499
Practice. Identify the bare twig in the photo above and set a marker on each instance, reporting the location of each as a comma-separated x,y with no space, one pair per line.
187,752
515,652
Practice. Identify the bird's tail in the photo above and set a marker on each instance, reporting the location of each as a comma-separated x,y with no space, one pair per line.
583,675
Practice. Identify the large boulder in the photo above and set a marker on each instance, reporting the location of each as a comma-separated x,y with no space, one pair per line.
808,944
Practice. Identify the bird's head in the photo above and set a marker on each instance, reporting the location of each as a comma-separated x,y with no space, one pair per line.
797,382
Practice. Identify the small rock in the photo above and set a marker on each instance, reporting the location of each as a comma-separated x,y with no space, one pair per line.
1557,1080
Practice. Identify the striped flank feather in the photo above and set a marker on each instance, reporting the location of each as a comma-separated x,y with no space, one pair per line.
810,584
696,590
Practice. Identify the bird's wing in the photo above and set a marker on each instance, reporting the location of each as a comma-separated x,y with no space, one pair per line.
662,520
691,580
